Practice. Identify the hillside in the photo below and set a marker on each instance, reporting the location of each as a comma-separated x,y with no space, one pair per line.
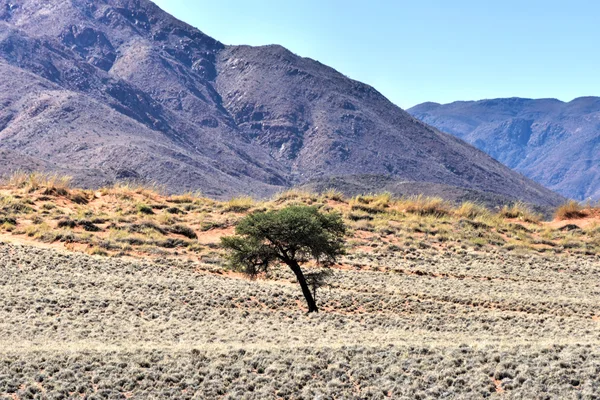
123,293
117,90
554,143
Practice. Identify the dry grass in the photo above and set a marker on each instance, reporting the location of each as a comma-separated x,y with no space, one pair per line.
443,326
30,182
520,211
471,210
570,210
295,195
39,207
424,206
239,204
335,195
130,190
433,301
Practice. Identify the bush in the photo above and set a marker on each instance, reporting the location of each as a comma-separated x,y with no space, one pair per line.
67,223
183,230
146,226
144,209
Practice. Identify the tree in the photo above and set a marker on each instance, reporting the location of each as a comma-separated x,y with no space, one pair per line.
292,236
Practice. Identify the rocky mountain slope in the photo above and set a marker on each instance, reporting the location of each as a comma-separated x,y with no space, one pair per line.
555,143
117,89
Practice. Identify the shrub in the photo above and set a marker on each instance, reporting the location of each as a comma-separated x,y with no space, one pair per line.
183,230
146,226
360,216
144,209
79,198
66,223
88,225
14,205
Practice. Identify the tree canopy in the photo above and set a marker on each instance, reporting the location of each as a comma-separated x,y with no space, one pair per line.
292,236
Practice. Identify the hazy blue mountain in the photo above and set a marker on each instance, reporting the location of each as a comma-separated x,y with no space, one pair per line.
556,144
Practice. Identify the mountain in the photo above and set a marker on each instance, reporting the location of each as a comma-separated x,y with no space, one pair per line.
111,90
552,142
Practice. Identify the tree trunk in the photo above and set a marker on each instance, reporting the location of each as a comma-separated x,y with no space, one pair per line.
312,305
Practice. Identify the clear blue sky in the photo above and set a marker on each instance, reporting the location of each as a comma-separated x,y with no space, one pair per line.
424,50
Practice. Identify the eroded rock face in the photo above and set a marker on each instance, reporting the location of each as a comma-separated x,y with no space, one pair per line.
92,45
127,87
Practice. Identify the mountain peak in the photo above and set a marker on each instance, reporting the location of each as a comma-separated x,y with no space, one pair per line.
115,89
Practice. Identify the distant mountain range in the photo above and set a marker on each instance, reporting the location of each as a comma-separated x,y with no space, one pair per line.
556,144
110,90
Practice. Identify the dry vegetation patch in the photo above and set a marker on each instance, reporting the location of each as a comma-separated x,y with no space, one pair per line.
433,300
434,326
140,221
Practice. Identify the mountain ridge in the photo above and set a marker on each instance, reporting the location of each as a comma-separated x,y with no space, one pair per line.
554,142
119,89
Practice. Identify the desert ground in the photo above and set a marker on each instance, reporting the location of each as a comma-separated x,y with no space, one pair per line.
501,307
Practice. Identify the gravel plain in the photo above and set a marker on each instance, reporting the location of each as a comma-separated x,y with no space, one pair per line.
474,325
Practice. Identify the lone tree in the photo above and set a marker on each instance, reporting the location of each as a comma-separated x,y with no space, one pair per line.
292,236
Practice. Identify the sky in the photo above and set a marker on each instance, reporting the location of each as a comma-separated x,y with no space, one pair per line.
424,50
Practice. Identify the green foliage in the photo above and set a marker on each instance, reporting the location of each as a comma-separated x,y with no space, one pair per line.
292,234
144,209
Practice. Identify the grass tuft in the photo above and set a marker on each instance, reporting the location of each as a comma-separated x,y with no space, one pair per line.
570,210
239,204
425,206
521,211
471,210
144,209
50,184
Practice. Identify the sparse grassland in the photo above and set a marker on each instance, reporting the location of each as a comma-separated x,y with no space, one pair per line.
463,326
140,221
433,300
